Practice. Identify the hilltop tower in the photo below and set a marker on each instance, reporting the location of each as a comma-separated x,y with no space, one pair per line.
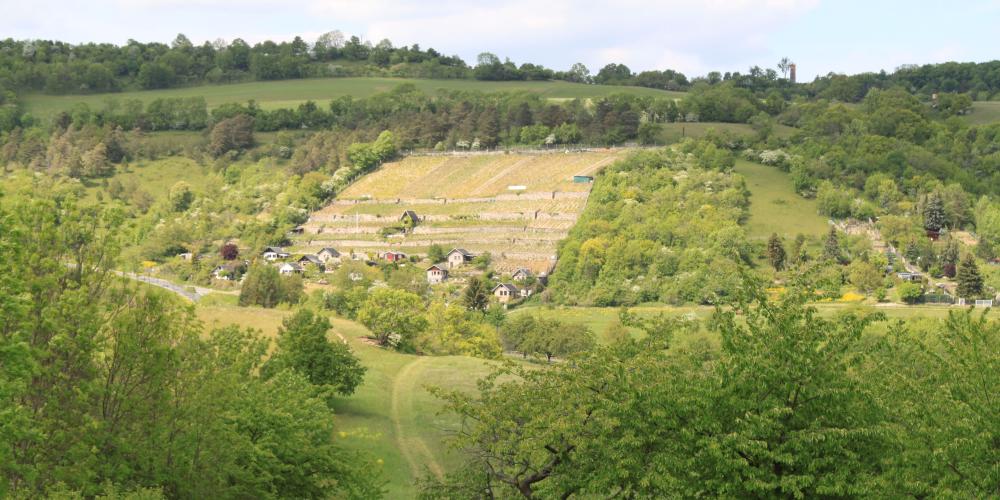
791,72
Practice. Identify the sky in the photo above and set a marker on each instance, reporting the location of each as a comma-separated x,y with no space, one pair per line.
694,37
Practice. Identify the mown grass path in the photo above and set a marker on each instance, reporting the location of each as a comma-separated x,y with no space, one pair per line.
413,448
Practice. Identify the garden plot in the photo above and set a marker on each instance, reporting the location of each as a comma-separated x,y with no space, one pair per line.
463,201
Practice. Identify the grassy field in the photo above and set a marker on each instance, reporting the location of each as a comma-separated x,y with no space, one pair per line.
599,319
775,207
157,176
290,93
392,416
675,132
983,112
479,175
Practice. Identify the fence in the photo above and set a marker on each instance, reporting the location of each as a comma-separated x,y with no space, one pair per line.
938,298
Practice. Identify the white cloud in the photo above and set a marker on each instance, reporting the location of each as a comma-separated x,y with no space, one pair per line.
689,36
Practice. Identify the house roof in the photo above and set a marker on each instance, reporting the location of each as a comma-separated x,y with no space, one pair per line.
395,253
409,213
439,267
330,251
311,258
522,270
291,265
464,252
510,288
273,249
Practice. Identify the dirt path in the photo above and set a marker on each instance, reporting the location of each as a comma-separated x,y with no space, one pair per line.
192,293
413,448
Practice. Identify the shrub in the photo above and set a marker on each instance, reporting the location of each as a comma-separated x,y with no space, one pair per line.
910,293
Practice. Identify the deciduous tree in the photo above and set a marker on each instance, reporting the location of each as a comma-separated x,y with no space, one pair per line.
304,345
776,252
394,317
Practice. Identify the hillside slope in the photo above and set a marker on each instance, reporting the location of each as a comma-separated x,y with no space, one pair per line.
462,201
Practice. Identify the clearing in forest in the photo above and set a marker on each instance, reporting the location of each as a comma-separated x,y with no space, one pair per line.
463,201
775,207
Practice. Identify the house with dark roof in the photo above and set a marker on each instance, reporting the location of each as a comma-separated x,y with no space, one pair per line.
521,274
438,273
409,218
328,255
505,292
290,268
274,253
227,272
457,257
310,260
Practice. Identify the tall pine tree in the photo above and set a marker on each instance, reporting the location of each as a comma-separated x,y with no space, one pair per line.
934,213
831,248
477,296
970,282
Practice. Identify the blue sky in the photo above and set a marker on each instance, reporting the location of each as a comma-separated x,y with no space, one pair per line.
690,36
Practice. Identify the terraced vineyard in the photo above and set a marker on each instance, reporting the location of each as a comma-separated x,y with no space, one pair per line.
462,201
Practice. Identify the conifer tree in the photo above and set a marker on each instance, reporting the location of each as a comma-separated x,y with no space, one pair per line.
477,297
934,213
970,282
831,248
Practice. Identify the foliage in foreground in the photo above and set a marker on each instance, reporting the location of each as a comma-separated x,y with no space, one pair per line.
792,405
104,383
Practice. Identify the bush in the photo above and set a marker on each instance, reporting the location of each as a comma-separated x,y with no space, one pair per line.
910,293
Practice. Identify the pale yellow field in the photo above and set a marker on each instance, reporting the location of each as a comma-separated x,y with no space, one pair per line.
463,201
464,176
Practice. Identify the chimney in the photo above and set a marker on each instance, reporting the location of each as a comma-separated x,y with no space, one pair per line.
791,72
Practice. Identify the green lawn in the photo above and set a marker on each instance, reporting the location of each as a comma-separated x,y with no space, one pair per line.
775,207
675,132
984,112
289,93
600,318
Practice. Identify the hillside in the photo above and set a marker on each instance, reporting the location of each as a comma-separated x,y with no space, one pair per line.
290,93
463,201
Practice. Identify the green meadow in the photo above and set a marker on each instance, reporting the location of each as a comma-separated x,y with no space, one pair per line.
290,93
775,207
676,132
983,112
